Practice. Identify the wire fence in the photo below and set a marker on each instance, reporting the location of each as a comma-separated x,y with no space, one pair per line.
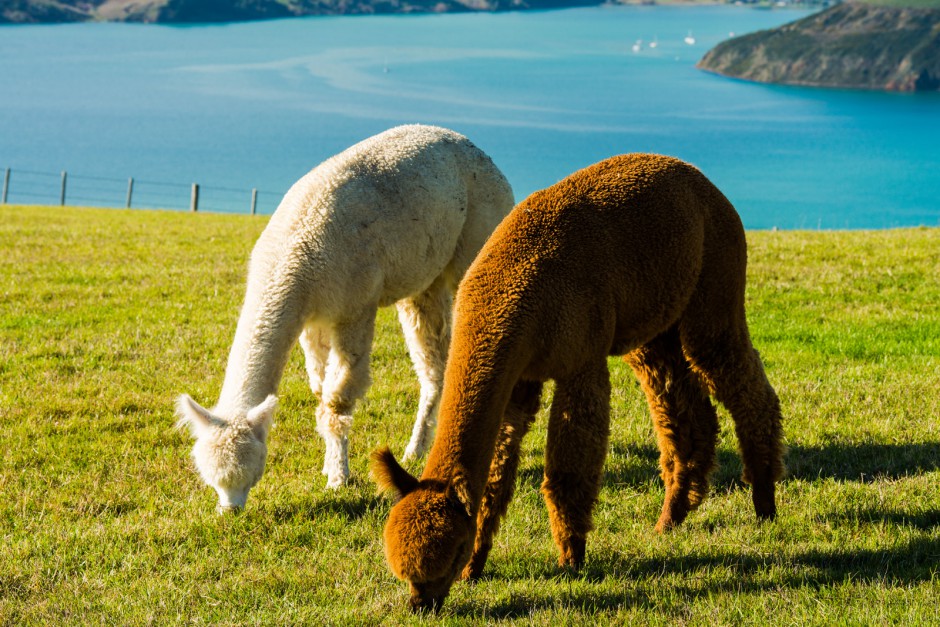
30,187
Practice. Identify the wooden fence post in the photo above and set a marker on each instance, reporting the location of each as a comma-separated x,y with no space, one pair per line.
254,200
194,199
62,195
6,185
130,191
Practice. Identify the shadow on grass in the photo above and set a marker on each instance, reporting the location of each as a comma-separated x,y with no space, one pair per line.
903,565
864,462
922,521
638,466
347,505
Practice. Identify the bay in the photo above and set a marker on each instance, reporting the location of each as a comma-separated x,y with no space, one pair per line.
256,105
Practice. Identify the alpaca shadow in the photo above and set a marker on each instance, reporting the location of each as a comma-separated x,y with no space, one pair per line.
925,521
635,467
903,565
865,463
349,504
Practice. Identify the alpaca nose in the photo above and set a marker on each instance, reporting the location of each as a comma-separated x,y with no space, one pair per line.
231,501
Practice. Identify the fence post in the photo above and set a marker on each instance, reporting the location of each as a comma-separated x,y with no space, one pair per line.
62,195
6,185
194,199
254,200
130,191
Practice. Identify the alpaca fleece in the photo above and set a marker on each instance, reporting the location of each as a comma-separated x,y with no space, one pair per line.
641,256
397,218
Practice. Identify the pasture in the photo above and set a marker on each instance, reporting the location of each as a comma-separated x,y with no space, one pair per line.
107,315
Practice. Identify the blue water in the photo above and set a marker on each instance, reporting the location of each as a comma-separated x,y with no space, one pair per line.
256,105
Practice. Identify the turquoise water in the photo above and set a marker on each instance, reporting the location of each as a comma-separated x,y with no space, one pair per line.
544,93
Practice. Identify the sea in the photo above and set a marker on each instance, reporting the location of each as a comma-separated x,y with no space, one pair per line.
253,106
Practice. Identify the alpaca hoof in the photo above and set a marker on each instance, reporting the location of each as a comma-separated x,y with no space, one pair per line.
470,574
765,505
336,482
474,568
675,509
425,606
414,451
668,521
665,526
572,564
572,556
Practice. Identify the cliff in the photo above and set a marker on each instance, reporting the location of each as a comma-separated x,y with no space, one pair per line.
851,45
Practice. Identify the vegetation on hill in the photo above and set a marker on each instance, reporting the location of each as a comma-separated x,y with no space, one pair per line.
107,315
195,11
877,44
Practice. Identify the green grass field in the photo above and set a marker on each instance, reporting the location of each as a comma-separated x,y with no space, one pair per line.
107,315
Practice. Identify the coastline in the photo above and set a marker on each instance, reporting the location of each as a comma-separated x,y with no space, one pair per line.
217,12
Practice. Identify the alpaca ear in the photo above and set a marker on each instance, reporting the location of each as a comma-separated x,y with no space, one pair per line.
459,492
261,418
389,475
195,416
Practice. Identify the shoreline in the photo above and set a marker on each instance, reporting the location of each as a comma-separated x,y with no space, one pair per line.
189,12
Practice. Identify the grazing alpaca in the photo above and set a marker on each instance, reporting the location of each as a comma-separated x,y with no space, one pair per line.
638,255
397,218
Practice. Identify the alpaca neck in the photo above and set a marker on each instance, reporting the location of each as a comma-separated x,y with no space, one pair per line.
477,388
266,332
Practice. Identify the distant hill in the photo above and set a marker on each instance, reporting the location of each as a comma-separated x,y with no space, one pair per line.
179,11
891,45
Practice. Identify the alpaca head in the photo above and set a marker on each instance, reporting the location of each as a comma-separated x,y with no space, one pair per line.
430,530
229,452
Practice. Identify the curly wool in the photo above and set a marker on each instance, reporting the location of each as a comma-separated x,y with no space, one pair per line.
397,218
641,256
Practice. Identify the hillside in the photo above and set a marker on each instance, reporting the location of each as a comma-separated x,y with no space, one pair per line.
891,45
189,11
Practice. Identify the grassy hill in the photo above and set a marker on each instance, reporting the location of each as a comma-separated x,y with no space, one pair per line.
107,315
891,45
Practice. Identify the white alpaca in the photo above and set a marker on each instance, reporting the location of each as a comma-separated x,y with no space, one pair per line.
397,219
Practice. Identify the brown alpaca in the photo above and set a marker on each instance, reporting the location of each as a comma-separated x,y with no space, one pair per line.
639,255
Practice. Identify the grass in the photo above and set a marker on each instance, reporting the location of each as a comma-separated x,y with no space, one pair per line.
107,315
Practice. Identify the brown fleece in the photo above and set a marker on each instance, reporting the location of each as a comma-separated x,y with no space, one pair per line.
641,256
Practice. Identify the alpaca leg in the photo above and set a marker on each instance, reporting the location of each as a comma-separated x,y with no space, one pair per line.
345,382
734,373
425,320
519,416
315,342
685,421
578,431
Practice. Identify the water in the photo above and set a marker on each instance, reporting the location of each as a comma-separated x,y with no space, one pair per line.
544,93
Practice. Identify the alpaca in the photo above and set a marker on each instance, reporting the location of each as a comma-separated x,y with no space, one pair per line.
641,256
397,218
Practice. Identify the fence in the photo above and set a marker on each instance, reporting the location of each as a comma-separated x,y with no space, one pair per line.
26,187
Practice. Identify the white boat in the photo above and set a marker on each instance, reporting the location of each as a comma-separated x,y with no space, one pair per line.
637,45
689,39
654,43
